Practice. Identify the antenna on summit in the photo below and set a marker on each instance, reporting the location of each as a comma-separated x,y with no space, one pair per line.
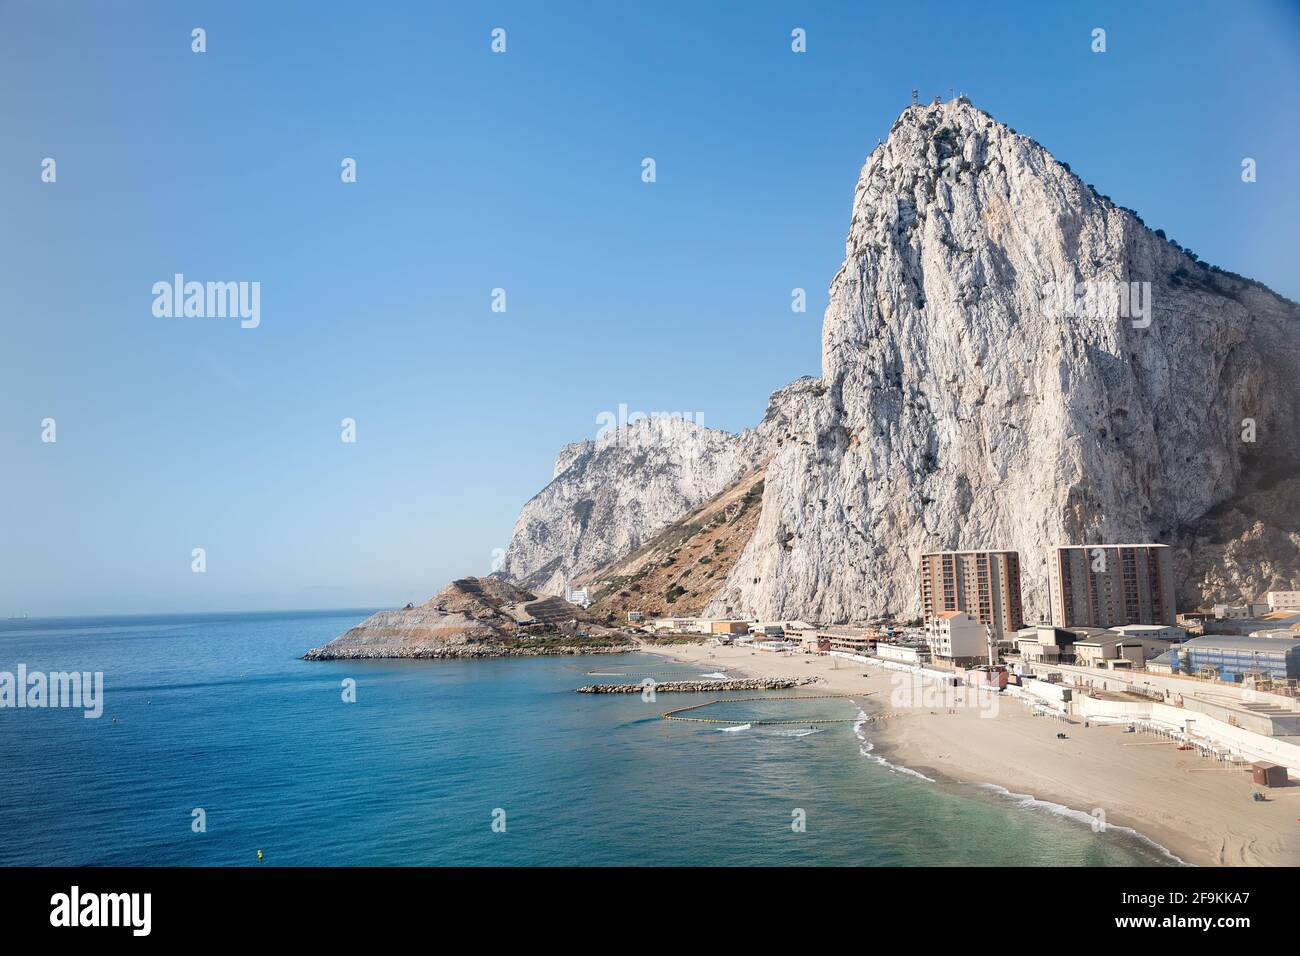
913,97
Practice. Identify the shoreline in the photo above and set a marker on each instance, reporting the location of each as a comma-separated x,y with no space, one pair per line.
1174,803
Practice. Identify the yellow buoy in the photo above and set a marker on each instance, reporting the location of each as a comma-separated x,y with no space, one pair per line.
259,854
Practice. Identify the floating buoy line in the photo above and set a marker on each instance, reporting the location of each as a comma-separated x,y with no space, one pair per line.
676,714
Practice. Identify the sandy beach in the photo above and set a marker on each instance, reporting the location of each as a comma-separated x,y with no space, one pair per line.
1198,811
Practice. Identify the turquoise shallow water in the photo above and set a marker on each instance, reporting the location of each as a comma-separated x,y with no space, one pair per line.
217,712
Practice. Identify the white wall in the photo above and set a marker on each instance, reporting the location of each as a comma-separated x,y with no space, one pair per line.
1250,745
1041,688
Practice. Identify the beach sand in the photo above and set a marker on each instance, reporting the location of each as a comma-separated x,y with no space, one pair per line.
1199,812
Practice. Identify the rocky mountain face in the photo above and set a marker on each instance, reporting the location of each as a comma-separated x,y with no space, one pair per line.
678,571
611,494
1009,360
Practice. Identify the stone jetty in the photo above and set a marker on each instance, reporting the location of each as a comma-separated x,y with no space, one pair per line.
700,686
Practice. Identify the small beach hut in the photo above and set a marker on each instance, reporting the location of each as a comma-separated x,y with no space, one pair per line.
1268,774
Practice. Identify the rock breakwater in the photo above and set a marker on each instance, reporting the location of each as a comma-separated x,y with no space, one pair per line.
700,686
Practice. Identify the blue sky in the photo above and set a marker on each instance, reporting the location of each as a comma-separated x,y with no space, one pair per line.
478,171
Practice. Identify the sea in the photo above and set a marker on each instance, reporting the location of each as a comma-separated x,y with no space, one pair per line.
217,743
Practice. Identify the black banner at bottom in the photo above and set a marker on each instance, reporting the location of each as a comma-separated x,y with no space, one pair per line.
335,905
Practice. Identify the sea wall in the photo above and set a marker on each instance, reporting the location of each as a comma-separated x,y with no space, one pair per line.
1251,745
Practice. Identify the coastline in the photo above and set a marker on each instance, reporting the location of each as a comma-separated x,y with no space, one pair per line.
1196,813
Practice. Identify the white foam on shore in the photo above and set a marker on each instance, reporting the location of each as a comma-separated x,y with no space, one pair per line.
1023,800
1030,802
732,730
716,675
866,748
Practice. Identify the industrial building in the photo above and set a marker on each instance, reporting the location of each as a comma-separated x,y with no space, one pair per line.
984,584
1162,663
1110,585
1239,659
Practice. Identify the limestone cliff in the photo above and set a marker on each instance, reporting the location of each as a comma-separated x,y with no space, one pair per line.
611,494
1009,360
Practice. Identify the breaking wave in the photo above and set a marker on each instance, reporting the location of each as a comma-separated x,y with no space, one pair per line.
866,748
1030,802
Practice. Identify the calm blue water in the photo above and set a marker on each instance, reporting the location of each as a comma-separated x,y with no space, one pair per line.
217,712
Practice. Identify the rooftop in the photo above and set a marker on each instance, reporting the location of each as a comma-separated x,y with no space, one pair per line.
1145,544
1097,640
1237,642
846,630
928,554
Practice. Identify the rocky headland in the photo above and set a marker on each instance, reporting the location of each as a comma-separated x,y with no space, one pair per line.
473,618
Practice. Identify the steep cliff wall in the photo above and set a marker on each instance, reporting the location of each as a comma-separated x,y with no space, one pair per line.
1009,360
989,386
612,494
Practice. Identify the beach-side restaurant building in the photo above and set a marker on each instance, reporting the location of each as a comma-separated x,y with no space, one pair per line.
761,630
815,645
836,637
779,645
992,676
902,653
